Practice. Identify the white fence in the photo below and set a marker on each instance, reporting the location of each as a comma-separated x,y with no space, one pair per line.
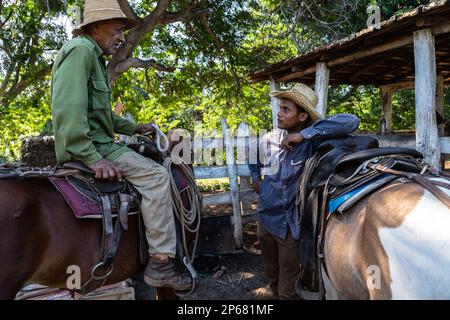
236,170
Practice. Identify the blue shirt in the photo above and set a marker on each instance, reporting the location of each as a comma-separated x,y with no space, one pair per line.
276,207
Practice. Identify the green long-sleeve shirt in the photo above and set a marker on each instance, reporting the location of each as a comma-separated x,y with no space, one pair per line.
83,122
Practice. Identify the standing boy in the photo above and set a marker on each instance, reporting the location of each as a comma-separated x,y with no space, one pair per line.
278,232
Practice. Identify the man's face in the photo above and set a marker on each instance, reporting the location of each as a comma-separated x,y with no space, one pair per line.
109,35
289,117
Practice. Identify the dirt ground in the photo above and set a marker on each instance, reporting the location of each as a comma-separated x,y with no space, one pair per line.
231,276
234,276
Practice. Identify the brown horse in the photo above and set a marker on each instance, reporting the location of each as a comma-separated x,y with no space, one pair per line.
40,238
393,244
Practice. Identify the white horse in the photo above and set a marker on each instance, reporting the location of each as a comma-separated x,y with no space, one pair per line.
394,244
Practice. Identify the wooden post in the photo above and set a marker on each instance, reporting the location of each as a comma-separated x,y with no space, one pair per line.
242,140
322,80
427,139
234,186
274,86
440,100
386,109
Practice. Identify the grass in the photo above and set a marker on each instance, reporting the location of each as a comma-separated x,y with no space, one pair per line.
209,185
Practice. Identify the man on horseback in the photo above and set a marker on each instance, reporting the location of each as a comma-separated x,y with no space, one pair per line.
84,127
278,230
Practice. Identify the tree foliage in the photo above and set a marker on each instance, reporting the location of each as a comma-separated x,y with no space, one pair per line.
187,62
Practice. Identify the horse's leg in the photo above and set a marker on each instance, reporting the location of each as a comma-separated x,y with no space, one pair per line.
22,236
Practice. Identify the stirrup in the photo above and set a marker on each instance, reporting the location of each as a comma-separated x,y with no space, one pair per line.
194,276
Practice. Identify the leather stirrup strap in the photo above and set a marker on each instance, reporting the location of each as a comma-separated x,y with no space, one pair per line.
107,226
125,201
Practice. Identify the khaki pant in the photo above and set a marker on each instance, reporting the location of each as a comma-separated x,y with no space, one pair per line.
281,263
152,182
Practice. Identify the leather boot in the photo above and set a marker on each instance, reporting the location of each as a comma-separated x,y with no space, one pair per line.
162,273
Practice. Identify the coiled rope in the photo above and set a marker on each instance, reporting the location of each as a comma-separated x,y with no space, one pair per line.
189,218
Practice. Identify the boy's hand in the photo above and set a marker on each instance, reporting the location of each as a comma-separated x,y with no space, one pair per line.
291,140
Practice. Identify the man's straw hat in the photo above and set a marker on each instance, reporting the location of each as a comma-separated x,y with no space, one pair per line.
303,96
100,10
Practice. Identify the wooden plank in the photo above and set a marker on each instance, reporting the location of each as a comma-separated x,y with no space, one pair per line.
396,140
214,172
445,144
274,86
221,198
427,139
386,110
234,187
321,87
408,141
398,86
225,198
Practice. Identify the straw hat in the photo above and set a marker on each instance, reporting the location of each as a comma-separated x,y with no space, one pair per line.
303,96
100,10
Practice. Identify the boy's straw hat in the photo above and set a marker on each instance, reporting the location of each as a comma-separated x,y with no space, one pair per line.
303,96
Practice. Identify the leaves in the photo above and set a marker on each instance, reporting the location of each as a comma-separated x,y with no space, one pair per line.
212,55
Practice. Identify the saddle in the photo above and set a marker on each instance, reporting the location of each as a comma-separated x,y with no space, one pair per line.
337,176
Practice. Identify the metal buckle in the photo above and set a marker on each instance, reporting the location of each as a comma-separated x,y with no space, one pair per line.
101,264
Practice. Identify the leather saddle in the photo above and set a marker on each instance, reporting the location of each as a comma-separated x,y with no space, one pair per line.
340,167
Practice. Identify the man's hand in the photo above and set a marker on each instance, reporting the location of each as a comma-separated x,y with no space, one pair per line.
257,185
291,140
105,169
144,128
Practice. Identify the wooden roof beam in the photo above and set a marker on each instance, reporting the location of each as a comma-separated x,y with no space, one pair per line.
397,43
370,66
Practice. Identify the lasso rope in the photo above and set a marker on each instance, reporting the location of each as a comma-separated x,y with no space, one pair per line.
189,219
160,135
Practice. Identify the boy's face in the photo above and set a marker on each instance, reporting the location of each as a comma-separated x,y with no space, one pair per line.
289,117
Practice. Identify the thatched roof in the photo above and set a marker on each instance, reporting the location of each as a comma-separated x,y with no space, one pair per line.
372,56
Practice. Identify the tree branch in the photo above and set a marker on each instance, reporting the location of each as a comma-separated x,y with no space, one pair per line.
153,19
2,23
139,63
23,84
128,10
184,16
216,40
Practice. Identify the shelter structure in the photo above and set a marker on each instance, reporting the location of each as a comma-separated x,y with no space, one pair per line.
407,51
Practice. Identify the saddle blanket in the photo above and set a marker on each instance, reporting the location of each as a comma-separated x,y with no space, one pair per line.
334,204
81,205
85,207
